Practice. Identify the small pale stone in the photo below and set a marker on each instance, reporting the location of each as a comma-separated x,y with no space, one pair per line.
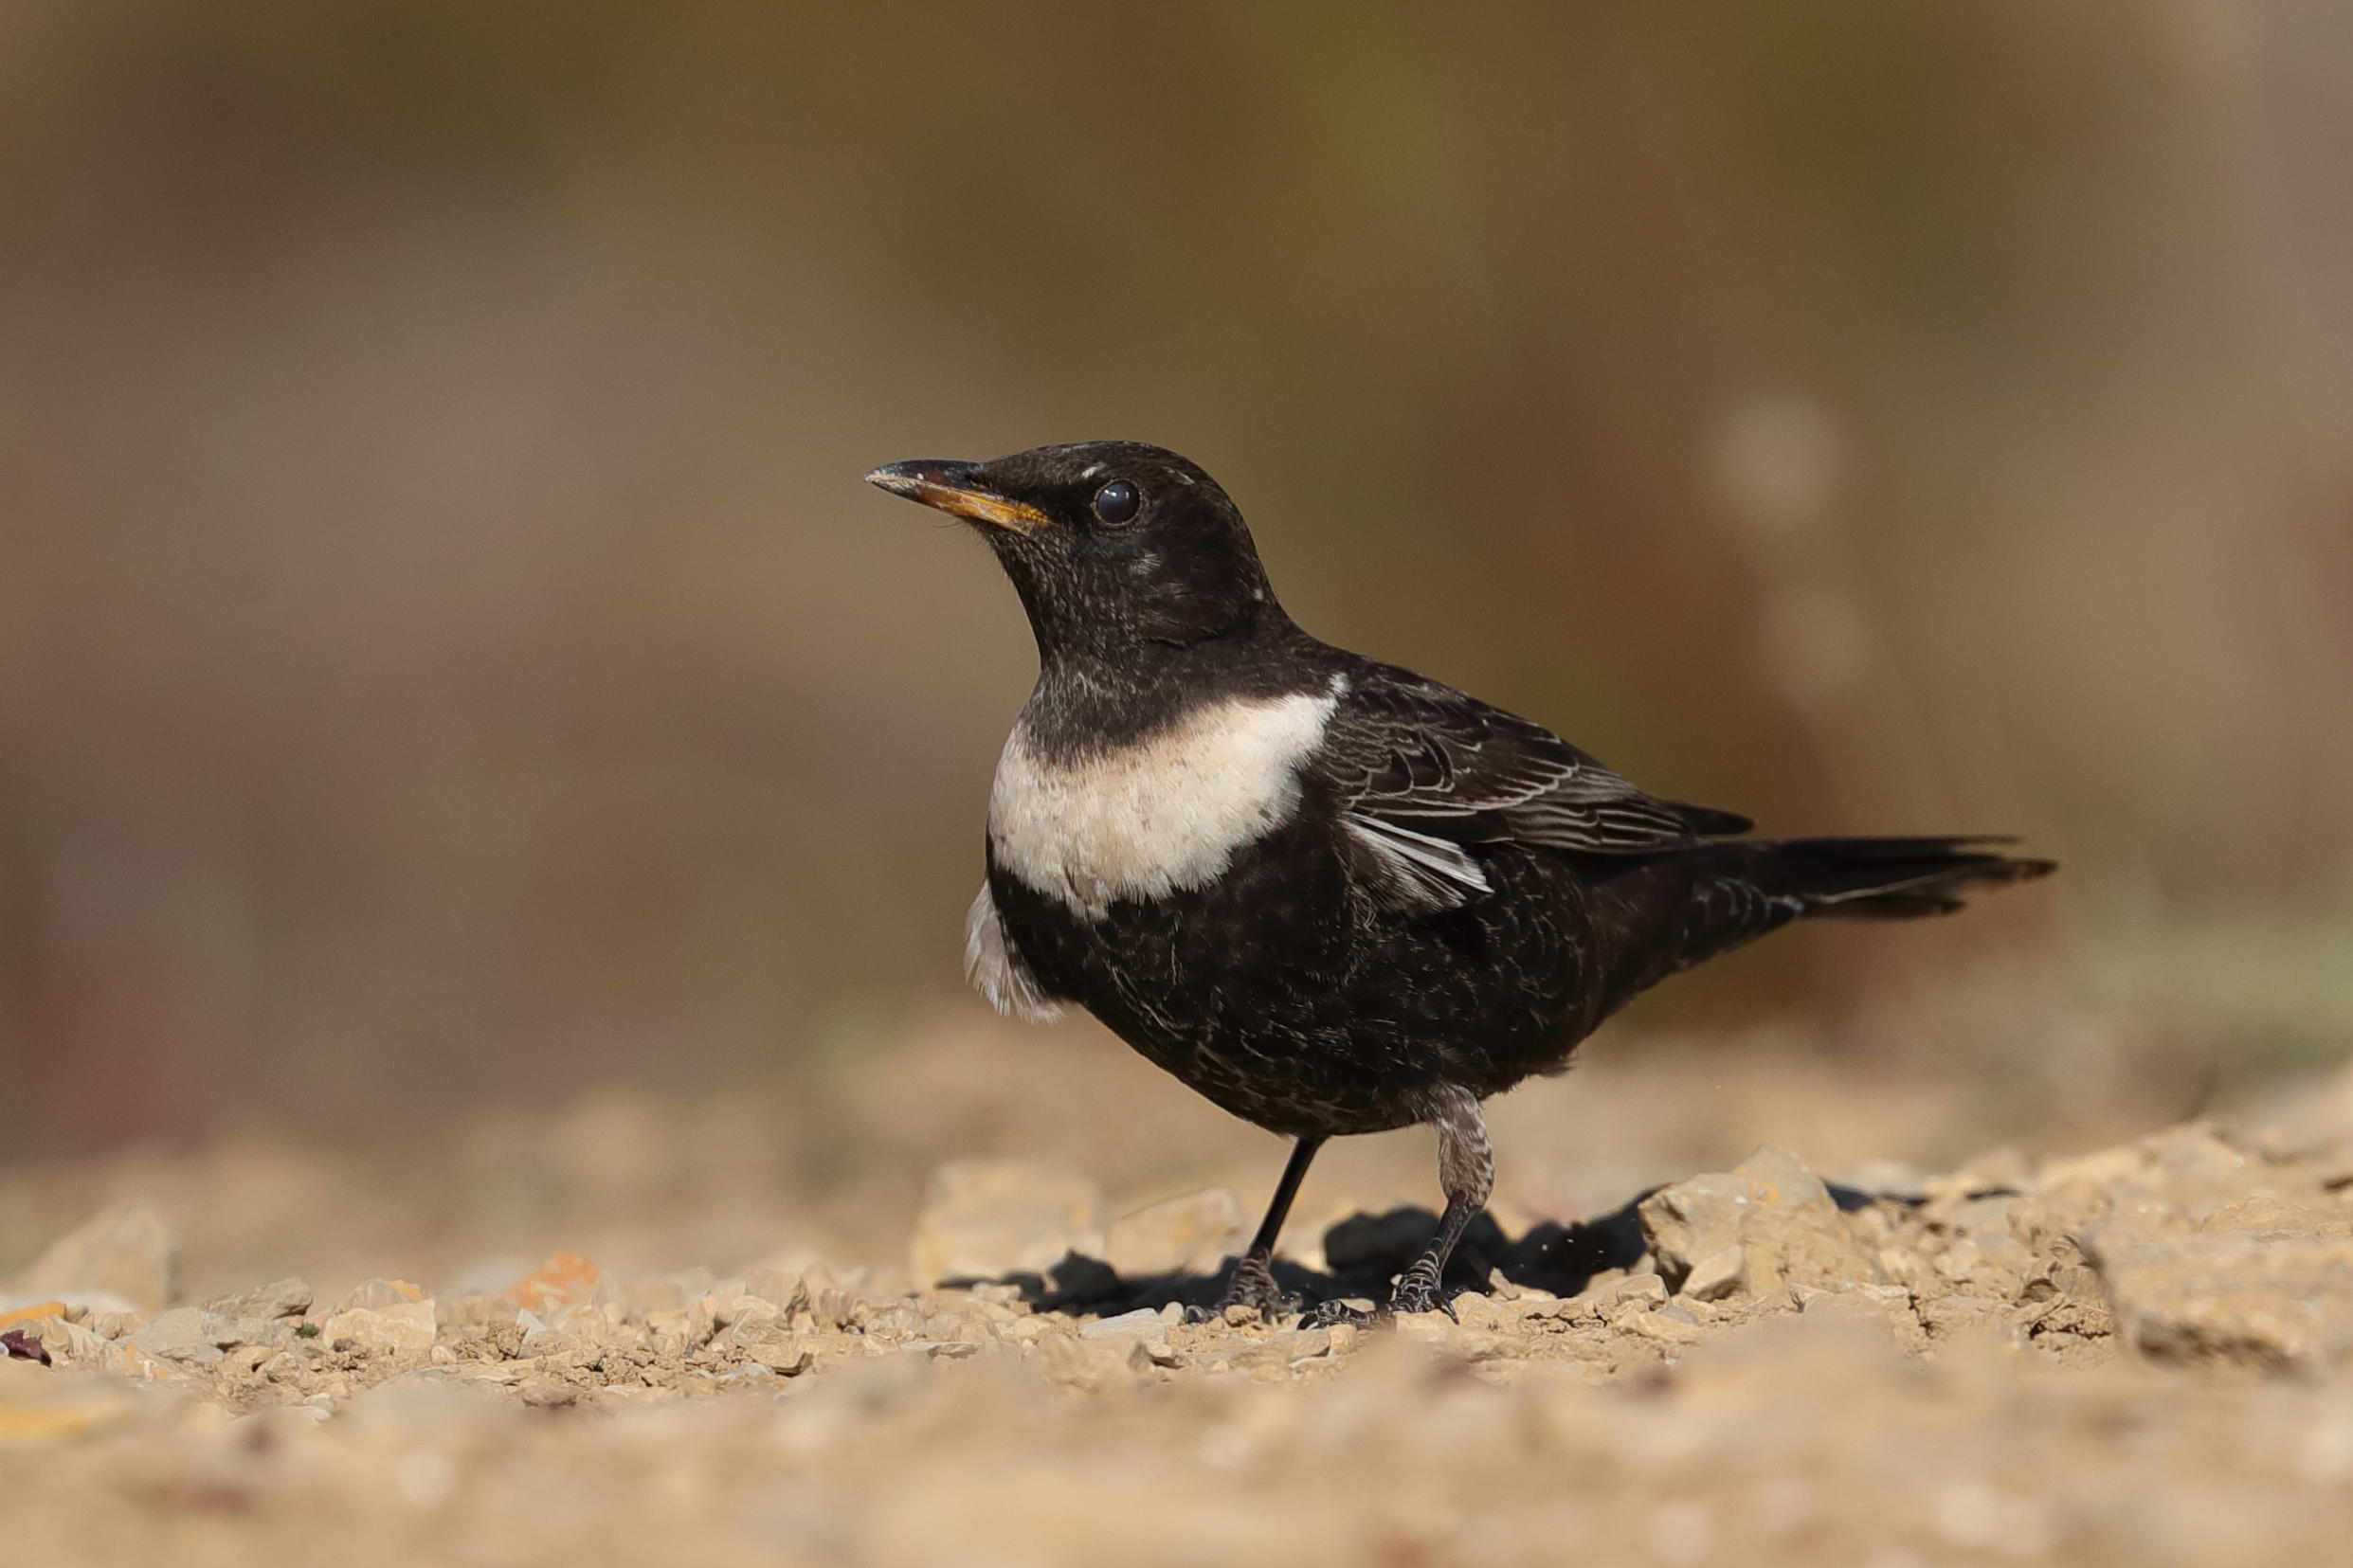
179,1334
286,1298
1770,1207
774,1285
2278,1300
1142,1321
785,1357
1145,1354
125,1251
1476,1308
1087,1363
1721,1274
405,1326
1424,1327
1649,1289
1960,1260
68,1342
378,1293
547,1392
1663,1327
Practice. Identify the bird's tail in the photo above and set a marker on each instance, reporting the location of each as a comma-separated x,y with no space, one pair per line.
1881,879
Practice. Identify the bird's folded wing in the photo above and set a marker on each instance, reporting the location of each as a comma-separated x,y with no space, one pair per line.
1424,770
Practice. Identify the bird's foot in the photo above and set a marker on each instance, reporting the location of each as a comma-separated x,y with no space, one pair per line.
1418,1290
1336,1314
1253,1285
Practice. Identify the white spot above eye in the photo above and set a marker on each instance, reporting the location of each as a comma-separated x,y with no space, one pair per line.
1164,813
1092,470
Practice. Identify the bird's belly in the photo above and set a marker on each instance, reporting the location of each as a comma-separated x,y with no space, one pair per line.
1286,999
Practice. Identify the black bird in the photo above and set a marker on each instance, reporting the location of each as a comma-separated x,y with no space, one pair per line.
1328,894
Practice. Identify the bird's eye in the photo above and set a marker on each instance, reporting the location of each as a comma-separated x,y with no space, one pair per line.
1117,502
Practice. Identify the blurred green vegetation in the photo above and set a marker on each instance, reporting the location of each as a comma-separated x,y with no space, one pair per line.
445,652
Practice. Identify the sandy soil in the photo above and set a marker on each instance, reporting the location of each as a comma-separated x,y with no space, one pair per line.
834,1324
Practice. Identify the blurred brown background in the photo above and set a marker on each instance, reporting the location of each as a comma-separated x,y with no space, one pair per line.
447,656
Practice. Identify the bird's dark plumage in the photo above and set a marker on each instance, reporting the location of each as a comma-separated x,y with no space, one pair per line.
1327,892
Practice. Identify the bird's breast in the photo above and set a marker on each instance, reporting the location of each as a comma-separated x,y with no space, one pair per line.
1150,816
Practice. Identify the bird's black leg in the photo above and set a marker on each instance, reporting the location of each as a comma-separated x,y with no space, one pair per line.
1253,1284
1466,1173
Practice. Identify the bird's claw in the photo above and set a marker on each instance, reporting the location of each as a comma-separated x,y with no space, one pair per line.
1336,1314
1418,1292
1253,1285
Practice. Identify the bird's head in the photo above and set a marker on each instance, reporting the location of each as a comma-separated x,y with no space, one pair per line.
1117,548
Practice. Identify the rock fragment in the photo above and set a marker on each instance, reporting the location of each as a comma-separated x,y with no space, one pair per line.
1754,1231
2275,1300
1647,1289
124,1251
286,1298
1142,1321
378,1293
397,1327
30,1312
184,1334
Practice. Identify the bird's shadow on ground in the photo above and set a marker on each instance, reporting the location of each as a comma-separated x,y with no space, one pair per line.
1365,1251
1363,1254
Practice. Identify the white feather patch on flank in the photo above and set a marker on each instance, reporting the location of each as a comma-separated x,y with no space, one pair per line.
995,968
1433,870
1163,813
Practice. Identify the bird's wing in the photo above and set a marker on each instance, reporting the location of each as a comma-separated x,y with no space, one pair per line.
1424,770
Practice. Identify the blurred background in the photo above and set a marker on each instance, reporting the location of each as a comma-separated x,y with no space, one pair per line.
448,661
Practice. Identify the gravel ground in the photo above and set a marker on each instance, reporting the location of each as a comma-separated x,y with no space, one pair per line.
2135,1354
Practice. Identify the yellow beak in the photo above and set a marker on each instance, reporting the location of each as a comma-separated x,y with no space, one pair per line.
954,488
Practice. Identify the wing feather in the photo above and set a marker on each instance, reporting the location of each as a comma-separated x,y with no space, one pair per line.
1423,771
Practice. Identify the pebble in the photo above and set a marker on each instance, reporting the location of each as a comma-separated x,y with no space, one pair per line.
180,1335
398,1327
2283,1302
286,1298
1144,1320
377,1293
1753,1230
1723,1272
125,1251
1646,1290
